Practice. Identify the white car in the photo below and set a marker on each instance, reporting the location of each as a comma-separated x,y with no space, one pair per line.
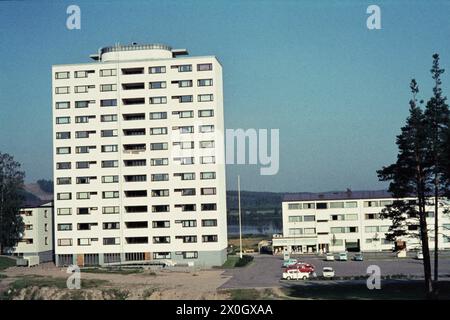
328,272
343,256
419,255
295,274
329,257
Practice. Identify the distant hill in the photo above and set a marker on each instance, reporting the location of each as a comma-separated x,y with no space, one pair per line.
254,200
35,190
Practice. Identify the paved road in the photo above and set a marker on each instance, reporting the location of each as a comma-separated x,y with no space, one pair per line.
265,270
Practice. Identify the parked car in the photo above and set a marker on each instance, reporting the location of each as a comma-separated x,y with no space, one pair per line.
328,272
419,255
303,267
288,262
295,274
358,257
329,257
342,256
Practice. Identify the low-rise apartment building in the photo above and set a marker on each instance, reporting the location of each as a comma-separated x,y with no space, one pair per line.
348,221
37,239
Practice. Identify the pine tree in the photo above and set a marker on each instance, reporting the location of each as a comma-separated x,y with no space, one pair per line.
410,176
436,120
11,183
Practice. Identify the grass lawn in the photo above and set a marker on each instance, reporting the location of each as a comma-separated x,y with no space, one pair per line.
6,263
395,290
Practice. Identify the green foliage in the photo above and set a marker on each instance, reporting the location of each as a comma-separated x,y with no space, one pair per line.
6,263
245,260
11,183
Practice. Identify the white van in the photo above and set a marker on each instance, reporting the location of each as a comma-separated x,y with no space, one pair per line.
295,274
342,256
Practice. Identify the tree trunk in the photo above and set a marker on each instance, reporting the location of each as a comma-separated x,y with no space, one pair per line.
436,231
426,254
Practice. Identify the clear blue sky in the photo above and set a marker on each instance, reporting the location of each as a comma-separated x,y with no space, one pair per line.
337,91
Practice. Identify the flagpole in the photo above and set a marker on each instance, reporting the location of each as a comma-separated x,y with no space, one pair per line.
240,224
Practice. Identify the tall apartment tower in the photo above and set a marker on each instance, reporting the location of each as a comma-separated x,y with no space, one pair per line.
139,163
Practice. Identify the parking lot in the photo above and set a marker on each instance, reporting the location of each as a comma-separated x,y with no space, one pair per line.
265,270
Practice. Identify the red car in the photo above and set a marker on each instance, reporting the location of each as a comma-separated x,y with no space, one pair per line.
302,267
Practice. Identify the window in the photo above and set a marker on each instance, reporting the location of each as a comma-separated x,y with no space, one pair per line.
83,89
83,195
161,224
62,105
295,219
185,129
370,204
207,175
160,177
83,119
207,144
158,100
110,179
159,146
208,191
133,86
206,128
160,208
108,87
110,210
158,131
186,191
371,216
186,207
136,224
157,85
337,230
322,205
63,150
62,90
158,115
129,71
63,135
109,133
309,218
205,113
63,165
110,194
108,103
185,176
159,162
64,227
64,196
110,148
384,203
206,160
135,178
183,83
160,193
135,163
133,116
184,114
351,204
190,255
153,70
110,164
351,217
183,99
108,72
205,82
310,205
62,75
84,149
187,239
336,205
184,67
309,231
63,180
134,256
209,207
204,67
108,118
205,97
62,120
295,231
110,242
81,74
83,134
209,223
165,239
64,211
85,180
133,101
84,164
64,242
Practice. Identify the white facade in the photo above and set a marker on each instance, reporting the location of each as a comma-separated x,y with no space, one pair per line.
335,222
37,239
139,158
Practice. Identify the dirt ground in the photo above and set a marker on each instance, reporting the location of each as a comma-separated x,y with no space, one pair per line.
150,284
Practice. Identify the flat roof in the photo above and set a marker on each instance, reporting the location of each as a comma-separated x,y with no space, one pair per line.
337,195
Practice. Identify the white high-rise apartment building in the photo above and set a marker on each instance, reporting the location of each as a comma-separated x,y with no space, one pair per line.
139,158
349,221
